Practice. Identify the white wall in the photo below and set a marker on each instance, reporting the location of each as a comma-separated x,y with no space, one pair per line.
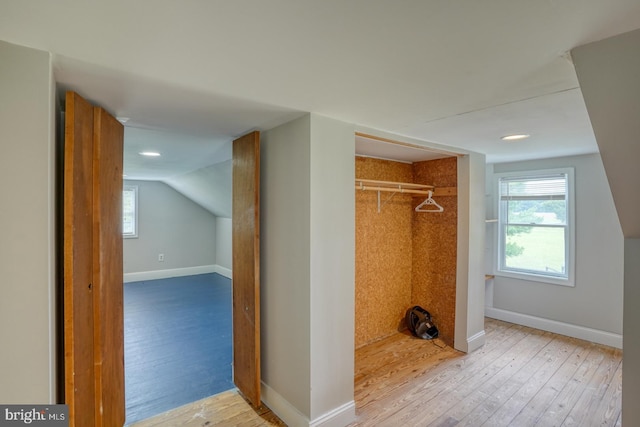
469,332
224,254
631,356
332,268
210,187
27,260
169,224
285,268
596,300
608,72
307,255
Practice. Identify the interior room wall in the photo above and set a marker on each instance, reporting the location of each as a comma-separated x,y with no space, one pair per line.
608,73
285,267
27,253
596,300
224,254
383,252
435,252
470,272
307,272
173,225
332,271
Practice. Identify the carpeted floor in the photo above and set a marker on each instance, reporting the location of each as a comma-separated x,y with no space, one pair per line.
177,342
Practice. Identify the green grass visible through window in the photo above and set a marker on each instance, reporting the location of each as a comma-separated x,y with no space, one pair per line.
542,250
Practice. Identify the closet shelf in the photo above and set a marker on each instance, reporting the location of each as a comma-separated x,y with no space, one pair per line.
403,187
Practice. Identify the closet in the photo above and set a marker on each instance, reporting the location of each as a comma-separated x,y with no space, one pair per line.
404,256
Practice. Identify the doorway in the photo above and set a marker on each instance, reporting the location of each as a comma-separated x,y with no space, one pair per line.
93,331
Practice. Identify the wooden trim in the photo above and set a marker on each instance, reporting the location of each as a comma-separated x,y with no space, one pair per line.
445,191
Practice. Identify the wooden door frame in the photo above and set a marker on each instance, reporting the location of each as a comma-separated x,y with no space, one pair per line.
104,377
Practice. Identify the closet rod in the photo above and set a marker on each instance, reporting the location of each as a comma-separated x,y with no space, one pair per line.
392,190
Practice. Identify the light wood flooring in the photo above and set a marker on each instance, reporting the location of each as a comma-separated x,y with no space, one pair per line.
521,377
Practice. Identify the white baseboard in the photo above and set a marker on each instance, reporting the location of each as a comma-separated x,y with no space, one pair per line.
338,417
281,407
223,271
172,272
476,341
580,332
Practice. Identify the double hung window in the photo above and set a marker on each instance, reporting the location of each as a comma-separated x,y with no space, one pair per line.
536,225
130,211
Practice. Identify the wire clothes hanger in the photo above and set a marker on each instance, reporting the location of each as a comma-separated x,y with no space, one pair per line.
431,205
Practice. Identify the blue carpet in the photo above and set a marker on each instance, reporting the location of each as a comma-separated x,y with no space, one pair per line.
178,341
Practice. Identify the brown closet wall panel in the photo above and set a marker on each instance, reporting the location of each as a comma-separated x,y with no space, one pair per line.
435,247
383,252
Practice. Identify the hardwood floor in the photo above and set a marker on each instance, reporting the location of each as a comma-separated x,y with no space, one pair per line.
521,377
227,409
177,342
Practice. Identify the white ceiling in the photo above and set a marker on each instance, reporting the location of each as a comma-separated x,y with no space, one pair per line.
458,73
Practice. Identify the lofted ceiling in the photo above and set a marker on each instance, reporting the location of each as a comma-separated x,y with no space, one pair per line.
192,75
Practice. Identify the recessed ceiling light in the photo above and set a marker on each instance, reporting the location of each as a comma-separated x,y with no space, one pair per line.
149,153
122,120
515,137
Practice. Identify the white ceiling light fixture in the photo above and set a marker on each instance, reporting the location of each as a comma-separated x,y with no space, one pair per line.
149,153
515,137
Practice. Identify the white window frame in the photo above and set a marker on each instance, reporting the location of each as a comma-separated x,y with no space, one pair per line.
134,189
568,280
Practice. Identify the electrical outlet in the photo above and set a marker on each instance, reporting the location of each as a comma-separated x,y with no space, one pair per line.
161,257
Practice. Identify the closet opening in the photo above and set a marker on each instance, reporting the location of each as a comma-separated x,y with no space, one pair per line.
406,238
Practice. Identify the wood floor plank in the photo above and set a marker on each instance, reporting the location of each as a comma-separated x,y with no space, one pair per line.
514,352
522,377
401,405
566,400
538,405
594,391
607,411
553,358
493,380
224,409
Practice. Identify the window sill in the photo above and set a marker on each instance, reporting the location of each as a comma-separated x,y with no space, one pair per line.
536,278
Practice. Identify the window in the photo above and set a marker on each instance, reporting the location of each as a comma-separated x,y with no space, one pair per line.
536,225
130,211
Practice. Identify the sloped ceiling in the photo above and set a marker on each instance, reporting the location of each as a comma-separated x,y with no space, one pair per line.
609,72
210,187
